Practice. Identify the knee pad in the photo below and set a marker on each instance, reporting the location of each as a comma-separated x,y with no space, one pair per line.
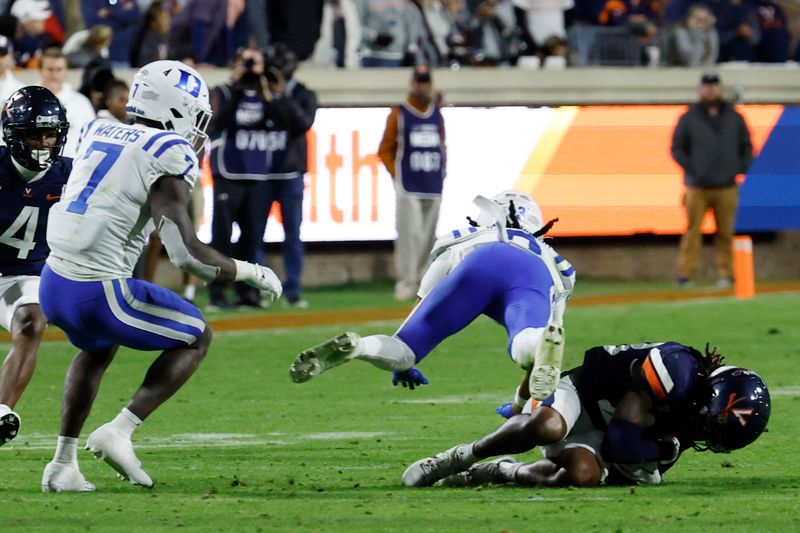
525,345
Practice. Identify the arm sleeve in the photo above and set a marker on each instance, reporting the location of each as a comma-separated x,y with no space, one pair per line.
435,273
387,152
299,112
683,46
627,443
745,145
680,146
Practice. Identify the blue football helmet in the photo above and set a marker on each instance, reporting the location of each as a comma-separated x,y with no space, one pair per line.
734,411
28,114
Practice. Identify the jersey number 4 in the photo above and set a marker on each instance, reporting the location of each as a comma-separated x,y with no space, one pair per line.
111,153
28,217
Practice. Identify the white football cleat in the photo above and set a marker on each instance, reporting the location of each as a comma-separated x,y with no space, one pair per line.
429,470
116,449
64,477
9,426
317,359
547,368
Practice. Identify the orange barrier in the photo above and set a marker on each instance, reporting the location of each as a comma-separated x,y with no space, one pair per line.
744,278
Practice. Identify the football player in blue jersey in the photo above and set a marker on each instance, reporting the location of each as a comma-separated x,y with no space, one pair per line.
626,414
32,174
499,266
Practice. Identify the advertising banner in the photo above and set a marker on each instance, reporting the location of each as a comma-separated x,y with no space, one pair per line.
602,170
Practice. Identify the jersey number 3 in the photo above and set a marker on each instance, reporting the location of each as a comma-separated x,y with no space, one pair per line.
28,217
111,153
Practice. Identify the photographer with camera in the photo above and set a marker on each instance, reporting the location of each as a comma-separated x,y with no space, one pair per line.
297,105
250,136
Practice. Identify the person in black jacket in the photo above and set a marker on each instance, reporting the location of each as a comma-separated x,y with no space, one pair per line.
285,183
252,134
712,144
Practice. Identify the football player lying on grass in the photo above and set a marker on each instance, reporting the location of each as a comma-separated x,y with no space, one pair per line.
501,267
624,416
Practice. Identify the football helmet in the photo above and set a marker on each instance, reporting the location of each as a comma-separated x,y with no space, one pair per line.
520,210
733,412
29,114
174,95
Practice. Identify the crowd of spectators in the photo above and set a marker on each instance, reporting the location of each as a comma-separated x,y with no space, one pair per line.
386,33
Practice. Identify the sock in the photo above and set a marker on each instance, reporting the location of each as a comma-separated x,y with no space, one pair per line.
509,470
465,455
387,353
189,292
125,422
4,409
66,450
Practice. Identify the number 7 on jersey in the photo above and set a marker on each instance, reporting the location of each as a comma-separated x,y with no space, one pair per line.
111,154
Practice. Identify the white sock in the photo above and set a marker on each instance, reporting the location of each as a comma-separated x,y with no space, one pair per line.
465,454
189,292
387,353
509,470
4,409
125,422
66,450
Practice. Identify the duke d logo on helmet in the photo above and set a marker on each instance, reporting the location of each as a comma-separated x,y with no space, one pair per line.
189,83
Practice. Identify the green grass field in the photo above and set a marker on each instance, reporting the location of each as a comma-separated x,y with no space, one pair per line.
241,448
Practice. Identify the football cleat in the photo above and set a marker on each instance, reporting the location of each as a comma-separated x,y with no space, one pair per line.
547,368
479,474
9,426
429,470
331,353
116,449
64,477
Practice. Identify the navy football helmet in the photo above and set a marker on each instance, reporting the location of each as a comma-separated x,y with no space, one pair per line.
28,115
733,412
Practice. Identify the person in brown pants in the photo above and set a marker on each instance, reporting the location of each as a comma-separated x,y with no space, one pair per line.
711,143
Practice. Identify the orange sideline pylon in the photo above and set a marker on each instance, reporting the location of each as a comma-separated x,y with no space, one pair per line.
744,285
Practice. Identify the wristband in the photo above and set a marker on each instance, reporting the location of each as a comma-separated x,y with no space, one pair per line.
244,270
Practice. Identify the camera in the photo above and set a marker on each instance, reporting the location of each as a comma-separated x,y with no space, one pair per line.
249,63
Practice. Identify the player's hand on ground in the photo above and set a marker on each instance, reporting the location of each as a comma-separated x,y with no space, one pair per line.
506,410
409,378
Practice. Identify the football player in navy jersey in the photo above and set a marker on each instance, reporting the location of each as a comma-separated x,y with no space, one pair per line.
32,175
625,415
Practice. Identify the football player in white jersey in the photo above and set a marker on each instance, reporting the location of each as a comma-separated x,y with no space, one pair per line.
501,267
126,181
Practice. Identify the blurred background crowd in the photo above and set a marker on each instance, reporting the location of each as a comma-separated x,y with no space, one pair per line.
388,33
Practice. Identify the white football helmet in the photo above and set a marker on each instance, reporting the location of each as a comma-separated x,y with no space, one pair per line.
174,95
526,211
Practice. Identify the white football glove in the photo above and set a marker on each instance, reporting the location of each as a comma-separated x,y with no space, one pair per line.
260,277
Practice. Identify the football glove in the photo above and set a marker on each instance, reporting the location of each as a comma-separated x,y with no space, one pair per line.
409,378
505,410
260,277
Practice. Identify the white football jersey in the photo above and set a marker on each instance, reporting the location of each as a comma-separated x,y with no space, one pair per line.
99,227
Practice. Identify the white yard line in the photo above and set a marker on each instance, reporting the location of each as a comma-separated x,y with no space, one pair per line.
40,441
460,399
